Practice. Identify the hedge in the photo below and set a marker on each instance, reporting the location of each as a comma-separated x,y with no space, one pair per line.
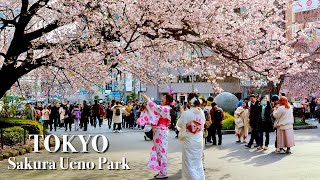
14,135
228,122
32,126
300,123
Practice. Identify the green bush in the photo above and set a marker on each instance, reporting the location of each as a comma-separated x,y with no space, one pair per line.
13,135
300,123
228,122
33,126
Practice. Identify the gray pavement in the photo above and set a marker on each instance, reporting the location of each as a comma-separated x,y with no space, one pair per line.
229,161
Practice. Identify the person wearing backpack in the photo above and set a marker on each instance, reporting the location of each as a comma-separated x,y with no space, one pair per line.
117,117
76,114
217,116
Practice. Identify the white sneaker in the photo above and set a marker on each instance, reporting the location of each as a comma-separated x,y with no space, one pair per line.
282,151
113,131
265,148
120,131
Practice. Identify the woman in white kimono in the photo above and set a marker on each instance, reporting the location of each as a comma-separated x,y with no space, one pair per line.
191,126
158,116
242,122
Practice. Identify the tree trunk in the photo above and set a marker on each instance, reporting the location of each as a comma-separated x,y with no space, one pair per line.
275,89
7,79
9,75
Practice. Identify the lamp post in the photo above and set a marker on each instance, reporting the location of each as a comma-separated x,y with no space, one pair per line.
124,88
192,82
140,91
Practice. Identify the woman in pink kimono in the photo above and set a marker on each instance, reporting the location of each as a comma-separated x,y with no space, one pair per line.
158,116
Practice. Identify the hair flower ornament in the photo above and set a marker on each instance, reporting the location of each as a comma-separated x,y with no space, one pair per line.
193,100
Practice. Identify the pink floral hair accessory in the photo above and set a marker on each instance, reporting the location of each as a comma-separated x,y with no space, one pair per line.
173,103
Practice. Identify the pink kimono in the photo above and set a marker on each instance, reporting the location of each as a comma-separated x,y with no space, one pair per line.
159,118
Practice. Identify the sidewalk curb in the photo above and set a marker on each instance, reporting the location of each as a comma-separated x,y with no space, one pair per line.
224,132
305,127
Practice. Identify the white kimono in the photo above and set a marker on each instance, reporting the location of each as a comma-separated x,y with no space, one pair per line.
191,125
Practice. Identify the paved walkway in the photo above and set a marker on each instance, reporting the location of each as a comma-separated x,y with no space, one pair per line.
229,161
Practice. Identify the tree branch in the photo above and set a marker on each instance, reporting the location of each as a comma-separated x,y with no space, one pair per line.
38,33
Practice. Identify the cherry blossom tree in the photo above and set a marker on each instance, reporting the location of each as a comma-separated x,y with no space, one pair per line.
239,38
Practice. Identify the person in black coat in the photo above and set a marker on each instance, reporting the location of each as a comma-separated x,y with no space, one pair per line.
85,114
264,124
255,116
54,115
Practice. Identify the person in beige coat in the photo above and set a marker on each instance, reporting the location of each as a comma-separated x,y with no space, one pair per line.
46,116
117,116
284,124
242,122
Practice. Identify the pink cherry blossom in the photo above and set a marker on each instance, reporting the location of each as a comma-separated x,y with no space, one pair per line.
214,39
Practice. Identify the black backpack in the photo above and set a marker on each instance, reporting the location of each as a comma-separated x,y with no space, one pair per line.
118,112
218,116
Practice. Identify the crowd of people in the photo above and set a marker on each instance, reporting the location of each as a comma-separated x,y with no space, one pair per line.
261,116
311,108
63,115
196,123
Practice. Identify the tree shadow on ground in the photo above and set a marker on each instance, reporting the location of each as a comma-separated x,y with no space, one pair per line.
238,153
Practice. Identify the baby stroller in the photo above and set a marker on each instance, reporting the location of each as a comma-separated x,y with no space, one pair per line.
148,133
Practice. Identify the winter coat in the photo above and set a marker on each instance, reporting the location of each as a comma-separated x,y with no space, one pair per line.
255,114
115,118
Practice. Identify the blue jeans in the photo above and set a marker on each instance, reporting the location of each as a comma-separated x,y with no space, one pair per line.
260,138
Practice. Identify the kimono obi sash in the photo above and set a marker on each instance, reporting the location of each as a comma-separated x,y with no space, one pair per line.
163,122
194,126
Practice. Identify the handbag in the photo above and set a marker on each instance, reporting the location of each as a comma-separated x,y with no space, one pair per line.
207,124
239,123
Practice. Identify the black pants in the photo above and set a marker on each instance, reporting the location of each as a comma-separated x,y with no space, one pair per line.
254,136
84,122
54,121
210,131
92,120
67,122
109,122
173,122
131,121
217,129
95,117
46,123
260,136
119,126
